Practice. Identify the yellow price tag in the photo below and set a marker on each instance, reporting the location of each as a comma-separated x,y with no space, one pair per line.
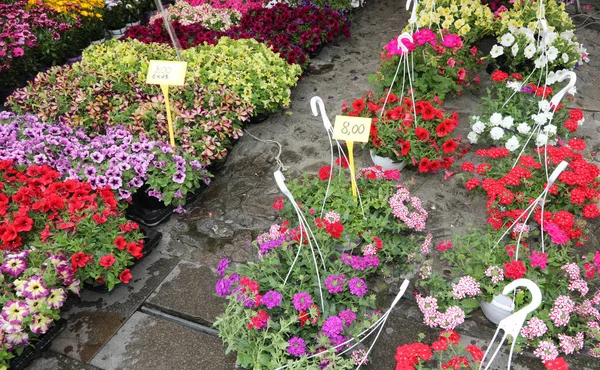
166,72
352,128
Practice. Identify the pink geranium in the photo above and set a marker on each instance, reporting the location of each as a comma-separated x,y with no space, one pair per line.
452,41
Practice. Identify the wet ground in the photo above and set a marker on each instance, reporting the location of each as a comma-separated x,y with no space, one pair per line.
162,319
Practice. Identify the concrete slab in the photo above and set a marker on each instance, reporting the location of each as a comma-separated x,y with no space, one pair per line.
146,342
55,361
98,316
189,292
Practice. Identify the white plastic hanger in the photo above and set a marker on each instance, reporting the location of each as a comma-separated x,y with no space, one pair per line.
512,324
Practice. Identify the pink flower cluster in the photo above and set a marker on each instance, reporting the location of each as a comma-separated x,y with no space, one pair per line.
426,244
535,328
450,319
547,351
496,273
415,219
467,287
561,312
243,6
569,344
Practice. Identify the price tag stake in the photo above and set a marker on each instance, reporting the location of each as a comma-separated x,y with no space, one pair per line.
352,129
166,73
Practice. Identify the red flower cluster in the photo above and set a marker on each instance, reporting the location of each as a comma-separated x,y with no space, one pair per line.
514,269
335,229
558,363
311,315
409,355
259,321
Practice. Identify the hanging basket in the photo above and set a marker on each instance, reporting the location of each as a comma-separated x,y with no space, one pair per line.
500,308
386,163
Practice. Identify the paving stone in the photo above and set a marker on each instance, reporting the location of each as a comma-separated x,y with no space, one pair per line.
146,342
98,316
189,292
55,361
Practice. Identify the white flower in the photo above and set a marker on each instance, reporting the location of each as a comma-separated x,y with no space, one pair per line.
475,118
540,62
581,121
551,37
551,79
507,122
496,133
542,139
544,105
497,50
512,143
540,118
528,32
478,127
550,129
515,85
529,51
496,119
565,57
515,49
552,53
549,115
523,128
567,35
507,39
473,137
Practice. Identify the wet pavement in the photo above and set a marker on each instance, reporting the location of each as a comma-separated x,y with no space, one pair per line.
161,319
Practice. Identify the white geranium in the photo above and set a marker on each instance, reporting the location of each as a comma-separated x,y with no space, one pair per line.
478,127
473,137
529,51
496,133
552,53
565,58
507,122
544,105
515,85
523,128
507,39
542,139
550,129
496,119
515,49
512,144
497,50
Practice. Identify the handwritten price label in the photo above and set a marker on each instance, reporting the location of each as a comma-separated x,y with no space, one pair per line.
164,72
352,128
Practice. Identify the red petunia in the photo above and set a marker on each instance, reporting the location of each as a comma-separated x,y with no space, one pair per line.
422,133
22,224
514,269
358,105
434,166
424,165
79,259
107,261
405,147
278,204
449,146
442,130
428,111
125,276
120,242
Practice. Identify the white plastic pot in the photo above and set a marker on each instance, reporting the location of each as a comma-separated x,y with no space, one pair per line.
386,163
500,308
117,33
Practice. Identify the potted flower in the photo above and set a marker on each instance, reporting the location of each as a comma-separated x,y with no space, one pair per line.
41,212
34,288
417,135
442,64
120,14
217,19
529,119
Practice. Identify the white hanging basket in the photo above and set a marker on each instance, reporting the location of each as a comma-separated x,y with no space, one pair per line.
117,33
500,308
386,163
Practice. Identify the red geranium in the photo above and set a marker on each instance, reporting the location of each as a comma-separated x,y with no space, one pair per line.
514,269
558,363
325,173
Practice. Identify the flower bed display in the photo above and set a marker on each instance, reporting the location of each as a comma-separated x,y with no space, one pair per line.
426,143
441,63
216,19
39,211
116,159
291,32
527,113
242,6
525,14
269,323
34,288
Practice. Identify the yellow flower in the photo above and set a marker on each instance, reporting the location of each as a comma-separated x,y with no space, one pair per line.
446,24
459,23
453,8
464,30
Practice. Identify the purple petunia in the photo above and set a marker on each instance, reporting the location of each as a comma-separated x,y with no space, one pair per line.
302,301
357,286
271,299
14,266
223,287
335,283
296,347
332,326
179,177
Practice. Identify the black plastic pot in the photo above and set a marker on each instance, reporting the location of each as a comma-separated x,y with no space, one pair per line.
147,210
314,54
258,118
32,352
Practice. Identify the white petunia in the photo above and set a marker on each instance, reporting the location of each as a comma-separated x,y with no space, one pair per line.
544,105
528,32
496,119
541,139
515,85
552,53
565,57
473,137
507,39
523,128
515,49
497,50
551,37
540,62
507,122
496,133
475,118
478,127
567,35
512,144
540,118
550,129
529,51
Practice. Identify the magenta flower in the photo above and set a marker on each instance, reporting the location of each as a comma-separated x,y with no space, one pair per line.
452,41
358,287
271,299
223,287
348,316
333,326
539,259
557,235
302,301
296,347
14,266
223,265
335,283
